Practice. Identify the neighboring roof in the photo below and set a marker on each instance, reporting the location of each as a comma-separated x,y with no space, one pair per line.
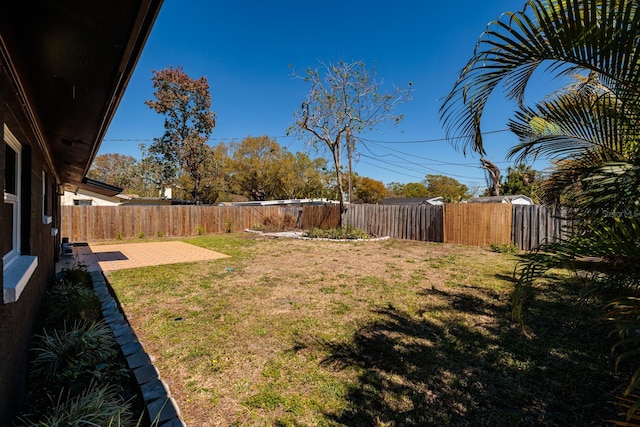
152,201
69,198
69,63
294,202
402,201
435,201
502,199
99,187
413,201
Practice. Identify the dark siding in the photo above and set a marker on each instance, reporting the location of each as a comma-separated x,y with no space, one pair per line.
18,320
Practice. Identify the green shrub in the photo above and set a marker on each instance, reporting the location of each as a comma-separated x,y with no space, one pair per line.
76,272
68,301
337,233
71,297
504,248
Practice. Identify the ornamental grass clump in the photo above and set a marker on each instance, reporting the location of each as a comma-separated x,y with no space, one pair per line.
73,357
97,405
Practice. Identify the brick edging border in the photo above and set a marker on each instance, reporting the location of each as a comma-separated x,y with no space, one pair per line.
162,409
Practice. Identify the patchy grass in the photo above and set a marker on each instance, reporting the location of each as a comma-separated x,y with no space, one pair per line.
316,333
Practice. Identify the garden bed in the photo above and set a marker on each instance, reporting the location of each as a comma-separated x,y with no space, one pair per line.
87,364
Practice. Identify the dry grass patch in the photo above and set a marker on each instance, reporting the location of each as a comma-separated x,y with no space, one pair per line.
312,333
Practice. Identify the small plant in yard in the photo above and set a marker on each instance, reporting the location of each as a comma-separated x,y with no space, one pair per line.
76,272
70,301
504,248
140,235
350,233
199,230
119,236
160,234
228,225
72,297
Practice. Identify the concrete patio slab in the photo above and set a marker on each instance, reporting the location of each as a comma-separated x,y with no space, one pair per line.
133,255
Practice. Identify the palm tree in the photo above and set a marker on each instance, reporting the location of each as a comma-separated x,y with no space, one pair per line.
563,37
589,129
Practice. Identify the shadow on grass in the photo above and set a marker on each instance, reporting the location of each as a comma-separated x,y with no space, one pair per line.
474,367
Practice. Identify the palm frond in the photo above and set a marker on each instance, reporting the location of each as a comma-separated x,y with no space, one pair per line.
599,36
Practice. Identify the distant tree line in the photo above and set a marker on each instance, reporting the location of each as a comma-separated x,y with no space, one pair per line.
519,180
256,168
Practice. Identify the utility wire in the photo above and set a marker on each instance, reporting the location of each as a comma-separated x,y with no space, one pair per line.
433,140
360,138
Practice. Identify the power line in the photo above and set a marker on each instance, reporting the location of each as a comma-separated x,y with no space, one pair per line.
473,165
210,139
427,169
433,140
360,138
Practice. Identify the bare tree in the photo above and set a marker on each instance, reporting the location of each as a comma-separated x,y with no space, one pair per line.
344,100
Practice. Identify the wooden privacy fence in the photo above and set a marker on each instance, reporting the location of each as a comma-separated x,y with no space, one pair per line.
320,216
537,224
477,224
94,223
469,224
412,222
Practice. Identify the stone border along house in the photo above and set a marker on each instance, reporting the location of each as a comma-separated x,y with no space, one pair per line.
64,66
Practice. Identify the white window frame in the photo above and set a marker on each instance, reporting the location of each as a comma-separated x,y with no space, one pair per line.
17,269
46,218
14,199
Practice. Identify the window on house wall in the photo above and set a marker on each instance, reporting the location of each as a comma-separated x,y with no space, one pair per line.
17,267
82,202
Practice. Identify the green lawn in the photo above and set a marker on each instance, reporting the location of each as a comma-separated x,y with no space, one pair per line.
390,333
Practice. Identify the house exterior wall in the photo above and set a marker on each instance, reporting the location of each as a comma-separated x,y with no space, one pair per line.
18,319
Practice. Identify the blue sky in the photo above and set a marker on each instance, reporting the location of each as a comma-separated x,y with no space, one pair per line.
245,49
